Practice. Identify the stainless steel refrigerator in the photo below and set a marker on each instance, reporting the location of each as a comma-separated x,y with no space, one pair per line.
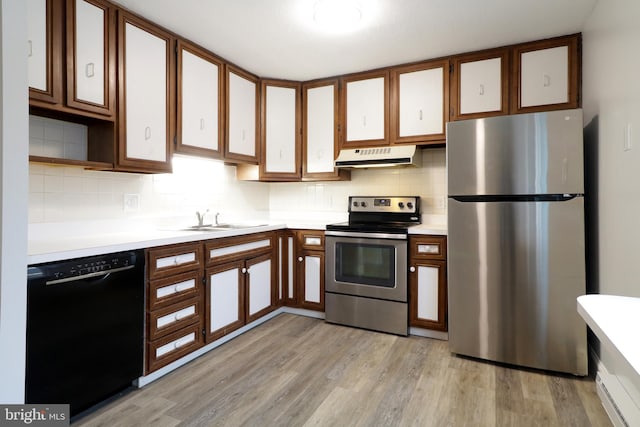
516,246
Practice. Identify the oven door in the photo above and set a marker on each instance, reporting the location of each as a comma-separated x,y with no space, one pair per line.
371,265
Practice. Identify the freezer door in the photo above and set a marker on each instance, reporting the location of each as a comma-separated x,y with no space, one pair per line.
538,153
515,270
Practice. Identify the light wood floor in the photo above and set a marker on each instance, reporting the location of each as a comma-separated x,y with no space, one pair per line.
294,371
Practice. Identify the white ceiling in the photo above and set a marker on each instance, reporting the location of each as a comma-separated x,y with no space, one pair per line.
277,38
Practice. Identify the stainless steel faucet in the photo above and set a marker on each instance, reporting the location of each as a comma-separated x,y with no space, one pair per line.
201,217
217,215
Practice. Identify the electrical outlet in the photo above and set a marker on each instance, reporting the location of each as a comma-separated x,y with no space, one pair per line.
131,202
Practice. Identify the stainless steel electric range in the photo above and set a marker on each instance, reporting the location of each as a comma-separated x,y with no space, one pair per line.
366,264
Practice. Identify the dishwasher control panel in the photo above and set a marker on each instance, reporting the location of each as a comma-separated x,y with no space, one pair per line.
77,268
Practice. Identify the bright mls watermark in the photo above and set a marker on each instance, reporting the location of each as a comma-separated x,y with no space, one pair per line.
34,415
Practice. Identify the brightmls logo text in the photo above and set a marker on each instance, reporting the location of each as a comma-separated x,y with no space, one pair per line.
36,415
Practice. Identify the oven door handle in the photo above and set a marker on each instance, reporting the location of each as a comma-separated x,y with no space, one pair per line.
391,236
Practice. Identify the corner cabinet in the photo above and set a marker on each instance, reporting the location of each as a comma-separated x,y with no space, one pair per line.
200,128
480,85
420,103
241,282
428,282
242,104
280,134
320,135
364,107
146,96
546,75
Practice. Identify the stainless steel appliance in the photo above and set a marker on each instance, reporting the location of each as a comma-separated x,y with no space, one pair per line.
516,246
366,264
85,329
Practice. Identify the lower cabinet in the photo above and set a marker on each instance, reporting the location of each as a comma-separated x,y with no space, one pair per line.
241,282
428,282
174,303
310,269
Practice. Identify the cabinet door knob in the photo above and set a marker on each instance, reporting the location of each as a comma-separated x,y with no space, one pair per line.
299,259
244,270
412,269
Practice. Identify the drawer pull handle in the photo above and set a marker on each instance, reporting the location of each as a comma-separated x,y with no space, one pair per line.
181,343
180,316
429,249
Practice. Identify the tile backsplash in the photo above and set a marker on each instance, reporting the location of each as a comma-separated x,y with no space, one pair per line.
61,193
56,138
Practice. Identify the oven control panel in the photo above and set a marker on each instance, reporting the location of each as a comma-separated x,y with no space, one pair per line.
409,204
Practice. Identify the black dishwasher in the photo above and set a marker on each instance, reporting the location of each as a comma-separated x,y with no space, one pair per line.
85,329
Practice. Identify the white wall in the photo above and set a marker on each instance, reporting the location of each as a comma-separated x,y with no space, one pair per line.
13,199
611,90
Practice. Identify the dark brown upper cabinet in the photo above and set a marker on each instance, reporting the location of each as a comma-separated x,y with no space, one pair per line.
480,84
280,143
71,58
364,109
242,100
146,101
200,126
320,134
420,103
546,75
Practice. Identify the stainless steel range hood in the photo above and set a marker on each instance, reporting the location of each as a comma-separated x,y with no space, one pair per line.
375,157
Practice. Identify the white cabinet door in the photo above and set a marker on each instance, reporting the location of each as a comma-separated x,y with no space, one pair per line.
37,44
259,286
320,129
428,297
481,86
224,297
312,279
90,52
241,116
421,96
199,103
280,130
365,109
544,76
145,79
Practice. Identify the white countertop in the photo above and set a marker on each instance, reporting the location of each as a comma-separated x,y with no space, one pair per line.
614,320
60,241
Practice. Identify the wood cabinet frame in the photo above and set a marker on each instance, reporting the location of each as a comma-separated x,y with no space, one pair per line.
344,143
338,174
574,44
235,157
279,176
434,260
395,103
55,28
456,62
207,56
142,165
219,333
108,108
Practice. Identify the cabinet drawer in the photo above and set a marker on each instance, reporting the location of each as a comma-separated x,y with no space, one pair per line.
225,250
311,239
165,350
170,319
165,292
428,247
174,259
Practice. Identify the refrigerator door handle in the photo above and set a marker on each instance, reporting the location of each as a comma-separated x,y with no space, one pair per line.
517,198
